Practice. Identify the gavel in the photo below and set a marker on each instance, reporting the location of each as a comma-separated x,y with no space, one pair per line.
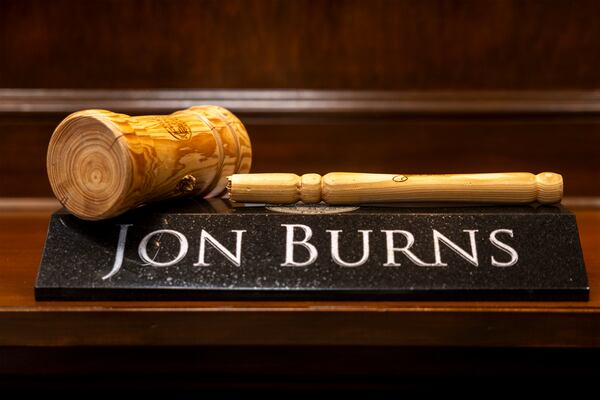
101,164
346,188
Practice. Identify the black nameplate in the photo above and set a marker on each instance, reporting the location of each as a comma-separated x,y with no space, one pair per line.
201,250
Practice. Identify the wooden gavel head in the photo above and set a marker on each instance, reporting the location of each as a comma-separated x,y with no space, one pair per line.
101,164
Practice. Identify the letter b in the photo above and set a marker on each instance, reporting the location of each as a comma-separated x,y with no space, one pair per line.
290,243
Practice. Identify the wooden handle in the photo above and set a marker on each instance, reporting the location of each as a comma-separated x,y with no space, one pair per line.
338,188
101,163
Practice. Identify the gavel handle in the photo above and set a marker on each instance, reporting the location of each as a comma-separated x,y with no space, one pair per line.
337,188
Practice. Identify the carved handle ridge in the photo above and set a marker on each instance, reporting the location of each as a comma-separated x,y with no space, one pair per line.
339,188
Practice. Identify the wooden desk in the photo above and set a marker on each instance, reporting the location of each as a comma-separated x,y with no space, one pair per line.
283,336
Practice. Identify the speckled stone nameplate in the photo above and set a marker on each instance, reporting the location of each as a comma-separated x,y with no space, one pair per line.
200,250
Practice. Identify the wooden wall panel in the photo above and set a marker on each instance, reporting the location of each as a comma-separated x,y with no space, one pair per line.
465,85
335,44
402,144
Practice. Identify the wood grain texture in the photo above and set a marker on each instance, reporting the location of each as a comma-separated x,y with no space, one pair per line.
415,46
340,188
101,164
412,143
271,103
349,44
282,323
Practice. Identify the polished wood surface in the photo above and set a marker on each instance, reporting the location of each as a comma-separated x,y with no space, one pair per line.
26,322
450,86
270,103
379,132
517,80
352,44
342,188
101,164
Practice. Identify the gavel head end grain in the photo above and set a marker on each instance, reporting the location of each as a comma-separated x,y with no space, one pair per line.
101,164
88,166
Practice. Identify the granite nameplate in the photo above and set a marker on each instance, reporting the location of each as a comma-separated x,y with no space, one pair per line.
210,250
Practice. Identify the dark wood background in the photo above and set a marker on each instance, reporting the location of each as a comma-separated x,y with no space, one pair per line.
468,86
316,44
421,86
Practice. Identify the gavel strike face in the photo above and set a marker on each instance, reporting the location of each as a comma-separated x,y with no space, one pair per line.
101,164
